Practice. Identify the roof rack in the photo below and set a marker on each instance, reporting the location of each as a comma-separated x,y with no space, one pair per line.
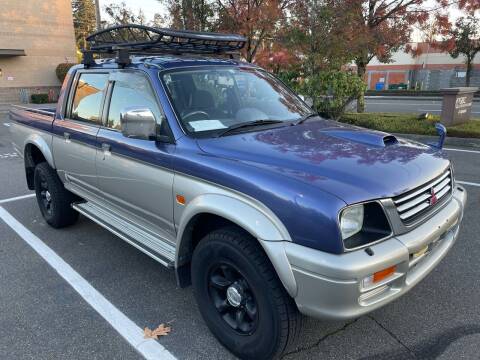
125,40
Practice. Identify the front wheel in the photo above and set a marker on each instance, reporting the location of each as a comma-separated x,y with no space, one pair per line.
52,197
240,296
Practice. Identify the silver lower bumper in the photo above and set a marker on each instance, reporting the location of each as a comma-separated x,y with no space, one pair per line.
330,286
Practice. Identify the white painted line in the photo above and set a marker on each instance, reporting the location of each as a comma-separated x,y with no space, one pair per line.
148,348
462,150
6,124
16,198
467,183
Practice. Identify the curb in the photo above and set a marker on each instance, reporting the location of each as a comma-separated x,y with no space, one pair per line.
414,98
449,141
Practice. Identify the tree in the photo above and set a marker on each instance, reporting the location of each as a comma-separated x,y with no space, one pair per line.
194,15
313,33
120,14
275,59
83,20
378,28
257,20
464,39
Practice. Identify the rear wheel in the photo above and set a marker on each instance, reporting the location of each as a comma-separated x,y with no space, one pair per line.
52,197
240,296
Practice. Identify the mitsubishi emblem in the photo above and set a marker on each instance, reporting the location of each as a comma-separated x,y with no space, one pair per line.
433,198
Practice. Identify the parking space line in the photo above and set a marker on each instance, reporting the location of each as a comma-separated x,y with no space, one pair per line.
16,198
467,183
462,150
149,349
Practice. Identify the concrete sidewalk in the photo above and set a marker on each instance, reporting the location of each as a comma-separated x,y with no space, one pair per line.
417,98
471,143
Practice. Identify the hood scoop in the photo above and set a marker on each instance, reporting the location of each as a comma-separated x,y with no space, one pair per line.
372,138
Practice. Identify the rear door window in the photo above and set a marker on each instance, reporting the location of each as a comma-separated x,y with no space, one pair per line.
87,100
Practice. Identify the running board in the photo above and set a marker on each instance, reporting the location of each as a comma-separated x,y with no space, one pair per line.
151,245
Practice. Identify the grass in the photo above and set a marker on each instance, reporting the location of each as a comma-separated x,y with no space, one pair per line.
410,124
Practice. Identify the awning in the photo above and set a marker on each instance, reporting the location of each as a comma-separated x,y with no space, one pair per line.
12,52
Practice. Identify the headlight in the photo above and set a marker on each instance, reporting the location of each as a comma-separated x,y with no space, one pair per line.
351,221
363,224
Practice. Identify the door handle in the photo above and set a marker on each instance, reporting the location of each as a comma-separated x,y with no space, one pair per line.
66,136
106,148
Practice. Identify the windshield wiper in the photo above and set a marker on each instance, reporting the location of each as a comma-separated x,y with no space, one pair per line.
305,118
248,124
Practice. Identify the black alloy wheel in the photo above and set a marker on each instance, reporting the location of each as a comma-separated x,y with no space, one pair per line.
52,197
233,298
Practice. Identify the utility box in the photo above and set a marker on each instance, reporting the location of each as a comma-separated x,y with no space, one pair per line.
457,105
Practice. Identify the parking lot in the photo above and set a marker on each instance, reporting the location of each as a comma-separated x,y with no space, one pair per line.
82,293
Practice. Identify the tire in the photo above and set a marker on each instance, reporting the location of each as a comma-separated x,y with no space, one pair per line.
229,258
52,197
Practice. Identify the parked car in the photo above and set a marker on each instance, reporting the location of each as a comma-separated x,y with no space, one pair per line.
218,171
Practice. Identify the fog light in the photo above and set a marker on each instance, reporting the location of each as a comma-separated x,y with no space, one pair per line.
379,276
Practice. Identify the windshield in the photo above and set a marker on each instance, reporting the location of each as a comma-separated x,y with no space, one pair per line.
208,101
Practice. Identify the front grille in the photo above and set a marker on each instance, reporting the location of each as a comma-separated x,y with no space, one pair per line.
420,201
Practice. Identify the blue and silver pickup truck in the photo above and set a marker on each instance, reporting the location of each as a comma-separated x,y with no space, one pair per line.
218,171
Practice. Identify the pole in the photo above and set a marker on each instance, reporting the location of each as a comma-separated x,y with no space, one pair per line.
97,15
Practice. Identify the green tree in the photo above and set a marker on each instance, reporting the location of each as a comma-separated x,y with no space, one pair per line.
332,91
83,21
194,15
464,39
120,14
312,30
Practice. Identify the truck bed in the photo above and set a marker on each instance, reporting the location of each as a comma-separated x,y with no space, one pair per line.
28,122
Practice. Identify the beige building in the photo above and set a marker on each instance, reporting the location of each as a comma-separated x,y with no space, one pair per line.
433,69
35,36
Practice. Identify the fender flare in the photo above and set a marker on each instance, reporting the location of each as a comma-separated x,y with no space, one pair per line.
41,144
260,223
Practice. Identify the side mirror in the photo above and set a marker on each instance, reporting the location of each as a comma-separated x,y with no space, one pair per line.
138,123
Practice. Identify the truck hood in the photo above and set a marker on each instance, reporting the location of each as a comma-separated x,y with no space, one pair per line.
351,163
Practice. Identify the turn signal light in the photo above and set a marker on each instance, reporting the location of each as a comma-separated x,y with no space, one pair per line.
379,276
180,199
383,274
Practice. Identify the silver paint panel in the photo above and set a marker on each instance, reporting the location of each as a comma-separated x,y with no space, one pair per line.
138,188
76,159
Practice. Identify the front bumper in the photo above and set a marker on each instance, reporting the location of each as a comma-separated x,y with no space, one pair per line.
330,286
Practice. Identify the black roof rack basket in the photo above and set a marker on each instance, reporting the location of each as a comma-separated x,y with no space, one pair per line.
146,40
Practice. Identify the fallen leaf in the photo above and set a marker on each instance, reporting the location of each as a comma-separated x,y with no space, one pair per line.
161,330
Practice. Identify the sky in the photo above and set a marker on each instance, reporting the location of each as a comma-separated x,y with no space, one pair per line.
149,7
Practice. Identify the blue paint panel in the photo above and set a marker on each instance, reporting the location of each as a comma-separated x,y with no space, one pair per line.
143,150
81,132
35,120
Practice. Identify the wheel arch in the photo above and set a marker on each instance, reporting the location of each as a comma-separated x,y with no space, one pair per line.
36,150
211,211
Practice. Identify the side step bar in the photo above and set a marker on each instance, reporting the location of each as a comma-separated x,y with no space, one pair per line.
151,245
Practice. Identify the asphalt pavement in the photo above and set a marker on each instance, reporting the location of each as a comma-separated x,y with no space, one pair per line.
419,105
44,316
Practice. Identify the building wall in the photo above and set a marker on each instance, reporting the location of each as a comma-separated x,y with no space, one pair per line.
44,29
432,70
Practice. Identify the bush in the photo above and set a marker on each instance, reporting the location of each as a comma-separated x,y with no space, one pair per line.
410,124
291,79
39,98
62,70
332,91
